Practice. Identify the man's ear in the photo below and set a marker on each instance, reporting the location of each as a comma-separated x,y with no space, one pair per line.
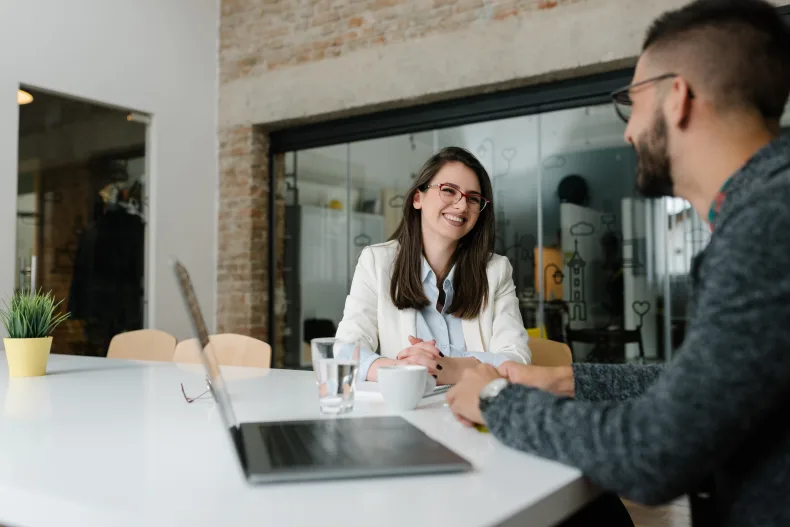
679,103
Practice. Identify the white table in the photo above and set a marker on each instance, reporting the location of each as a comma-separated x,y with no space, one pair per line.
99,442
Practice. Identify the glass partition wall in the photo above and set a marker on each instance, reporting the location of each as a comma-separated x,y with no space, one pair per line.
81,206
594,264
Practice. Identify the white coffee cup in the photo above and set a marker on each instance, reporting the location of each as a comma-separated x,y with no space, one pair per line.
402,386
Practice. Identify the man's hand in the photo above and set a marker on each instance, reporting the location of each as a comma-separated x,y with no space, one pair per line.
557,380
521,373
464,397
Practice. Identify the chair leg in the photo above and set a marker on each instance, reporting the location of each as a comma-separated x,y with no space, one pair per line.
641,348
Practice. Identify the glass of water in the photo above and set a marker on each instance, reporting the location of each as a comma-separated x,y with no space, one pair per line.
335,363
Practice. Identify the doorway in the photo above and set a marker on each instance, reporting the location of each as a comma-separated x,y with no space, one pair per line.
81,209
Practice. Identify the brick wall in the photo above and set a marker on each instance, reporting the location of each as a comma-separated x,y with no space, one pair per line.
260,36
242,267
242,287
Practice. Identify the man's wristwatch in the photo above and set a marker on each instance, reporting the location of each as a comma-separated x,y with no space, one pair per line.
490,391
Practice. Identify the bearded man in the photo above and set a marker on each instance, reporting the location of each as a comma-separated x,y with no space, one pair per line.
703,116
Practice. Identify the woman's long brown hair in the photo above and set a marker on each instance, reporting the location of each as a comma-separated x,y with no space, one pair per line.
470,283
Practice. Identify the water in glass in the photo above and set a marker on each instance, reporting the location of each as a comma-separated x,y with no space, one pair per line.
335,363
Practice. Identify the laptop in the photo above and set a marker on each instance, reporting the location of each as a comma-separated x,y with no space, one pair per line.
319,449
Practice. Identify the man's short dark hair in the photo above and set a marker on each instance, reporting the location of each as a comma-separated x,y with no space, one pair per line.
740,49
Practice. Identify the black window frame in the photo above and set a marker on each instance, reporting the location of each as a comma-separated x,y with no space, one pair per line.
559,95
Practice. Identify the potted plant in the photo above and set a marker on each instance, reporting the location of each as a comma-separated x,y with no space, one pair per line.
29,321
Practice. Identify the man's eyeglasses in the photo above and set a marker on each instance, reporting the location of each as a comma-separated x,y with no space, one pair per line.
451,195
622,98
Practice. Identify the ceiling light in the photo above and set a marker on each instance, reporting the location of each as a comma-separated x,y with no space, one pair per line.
23,97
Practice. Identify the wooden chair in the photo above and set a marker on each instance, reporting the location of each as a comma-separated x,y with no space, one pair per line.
230,349
549,353
536,332
143,344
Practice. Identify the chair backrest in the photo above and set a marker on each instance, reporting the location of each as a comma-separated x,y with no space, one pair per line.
549,353
142,344
613,337
607,338
536,332
230,349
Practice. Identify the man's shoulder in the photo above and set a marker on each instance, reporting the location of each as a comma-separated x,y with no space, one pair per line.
761,187
754,235
761,197
766,201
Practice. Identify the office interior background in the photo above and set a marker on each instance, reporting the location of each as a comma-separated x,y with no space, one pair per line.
265,143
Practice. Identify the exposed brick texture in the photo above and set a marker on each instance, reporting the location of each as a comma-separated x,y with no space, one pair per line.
263,35
242,287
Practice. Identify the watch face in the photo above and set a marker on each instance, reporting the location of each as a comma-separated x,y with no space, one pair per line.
493,388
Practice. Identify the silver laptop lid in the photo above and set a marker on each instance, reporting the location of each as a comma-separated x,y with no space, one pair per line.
215,380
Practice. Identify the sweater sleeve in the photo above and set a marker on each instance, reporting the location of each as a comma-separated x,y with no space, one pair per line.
613,382
730,375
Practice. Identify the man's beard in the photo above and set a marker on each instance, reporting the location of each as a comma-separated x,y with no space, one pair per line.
654,171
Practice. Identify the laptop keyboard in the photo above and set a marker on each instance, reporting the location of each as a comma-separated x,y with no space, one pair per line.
309,444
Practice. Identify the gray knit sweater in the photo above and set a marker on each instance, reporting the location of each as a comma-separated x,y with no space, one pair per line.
722,407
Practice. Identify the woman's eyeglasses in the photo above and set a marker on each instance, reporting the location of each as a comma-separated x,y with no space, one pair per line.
452,195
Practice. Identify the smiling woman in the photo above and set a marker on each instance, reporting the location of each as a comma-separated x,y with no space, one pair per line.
445,227
436,295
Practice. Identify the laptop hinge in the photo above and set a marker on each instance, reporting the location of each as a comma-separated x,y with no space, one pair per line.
235,433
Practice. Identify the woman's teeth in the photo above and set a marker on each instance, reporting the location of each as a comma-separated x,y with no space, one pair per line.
455,220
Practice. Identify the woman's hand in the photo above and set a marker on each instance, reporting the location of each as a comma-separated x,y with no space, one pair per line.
446,370
422,353
452,368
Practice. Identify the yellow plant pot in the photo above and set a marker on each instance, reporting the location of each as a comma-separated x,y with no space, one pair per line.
27,357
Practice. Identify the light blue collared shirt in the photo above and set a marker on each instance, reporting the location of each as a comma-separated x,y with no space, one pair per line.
442,326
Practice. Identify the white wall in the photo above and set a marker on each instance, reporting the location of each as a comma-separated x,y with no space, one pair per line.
153,56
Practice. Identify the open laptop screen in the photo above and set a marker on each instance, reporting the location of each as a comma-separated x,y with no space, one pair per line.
213,375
